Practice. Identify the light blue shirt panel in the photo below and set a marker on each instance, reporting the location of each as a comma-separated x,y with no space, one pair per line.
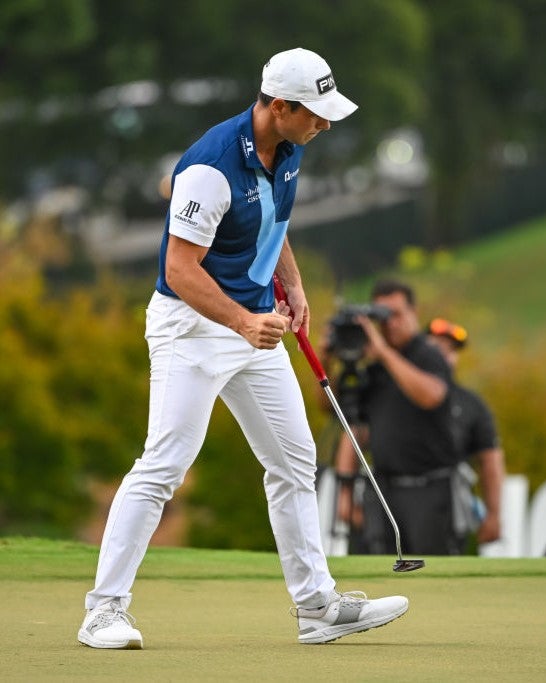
270,237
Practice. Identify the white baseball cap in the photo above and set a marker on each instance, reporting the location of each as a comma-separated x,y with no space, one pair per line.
303,76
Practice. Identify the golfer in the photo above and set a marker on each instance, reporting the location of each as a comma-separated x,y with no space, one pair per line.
212,330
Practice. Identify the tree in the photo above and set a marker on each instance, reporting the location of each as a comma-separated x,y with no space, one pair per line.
39,40
482,70
73,395
52,116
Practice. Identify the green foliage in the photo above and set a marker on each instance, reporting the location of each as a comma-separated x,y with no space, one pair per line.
39,35
226,502
481,72
73,394
53,120
467,74
514,384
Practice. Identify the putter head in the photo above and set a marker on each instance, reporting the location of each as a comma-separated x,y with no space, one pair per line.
407,565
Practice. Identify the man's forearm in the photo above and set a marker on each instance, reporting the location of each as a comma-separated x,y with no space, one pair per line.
491,475
289,275
287,268
422,388
491,478
196,287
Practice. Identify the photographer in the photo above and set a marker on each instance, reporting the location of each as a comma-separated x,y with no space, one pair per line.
476,436
404,399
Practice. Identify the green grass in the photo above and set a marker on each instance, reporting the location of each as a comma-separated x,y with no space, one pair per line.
223,616
495,286
507,275
35,559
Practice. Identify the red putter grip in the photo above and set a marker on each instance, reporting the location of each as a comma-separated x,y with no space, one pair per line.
303,340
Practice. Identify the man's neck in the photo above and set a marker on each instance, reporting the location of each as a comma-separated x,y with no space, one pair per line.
266,138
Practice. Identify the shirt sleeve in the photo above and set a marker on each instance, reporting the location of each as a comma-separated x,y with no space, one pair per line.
431,360
483,433
201,196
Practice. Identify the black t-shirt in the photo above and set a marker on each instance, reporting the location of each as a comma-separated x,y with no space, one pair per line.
404,438
473,424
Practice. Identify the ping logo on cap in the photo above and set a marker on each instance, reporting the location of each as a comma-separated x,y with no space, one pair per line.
325,84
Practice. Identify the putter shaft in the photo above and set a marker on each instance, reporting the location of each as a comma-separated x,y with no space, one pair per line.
364,463
320,374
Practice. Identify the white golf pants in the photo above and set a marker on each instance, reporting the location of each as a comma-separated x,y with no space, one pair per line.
194,360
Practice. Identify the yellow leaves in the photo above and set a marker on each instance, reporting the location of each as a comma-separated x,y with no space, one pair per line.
73,392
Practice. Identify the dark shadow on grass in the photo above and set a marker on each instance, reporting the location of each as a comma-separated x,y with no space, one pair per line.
397,645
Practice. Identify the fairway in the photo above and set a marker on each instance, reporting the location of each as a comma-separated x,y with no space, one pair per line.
223,616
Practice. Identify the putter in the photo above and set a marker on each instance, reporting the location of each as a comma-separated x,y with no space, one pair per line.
401,564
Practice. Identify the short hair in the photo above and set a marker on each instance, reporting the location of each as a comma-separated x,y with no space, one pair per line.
387,287
267,99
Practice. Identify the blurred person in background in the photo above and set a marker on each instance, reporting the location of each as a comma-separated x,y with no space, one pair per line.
472,429
476,436
213,330
404,419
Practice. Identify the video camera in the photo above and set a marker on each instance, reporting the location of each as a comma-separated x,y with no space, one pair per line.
347,337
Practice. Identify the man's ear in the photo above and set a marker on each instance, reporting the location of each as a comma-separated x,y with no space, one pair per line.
278,107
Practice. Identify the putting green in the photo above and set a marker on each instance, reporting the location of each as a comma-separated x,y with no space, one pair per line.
223,616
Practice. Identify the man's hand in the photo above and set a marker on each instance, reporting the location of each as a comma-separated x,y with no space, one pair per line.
425,389
288,274
265,330
375,345
299,307
284,309
489,530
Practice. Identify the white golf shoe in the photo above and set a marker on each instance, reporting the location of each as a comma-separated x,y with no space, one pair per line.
347,613
110,626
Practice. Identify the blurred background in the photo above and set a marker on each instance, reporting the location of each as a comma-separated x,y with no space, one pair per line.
439,178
